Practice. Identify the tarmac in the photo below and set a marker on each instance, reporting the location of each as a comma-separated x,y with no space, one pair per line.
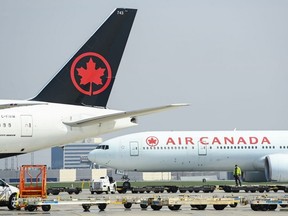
118,209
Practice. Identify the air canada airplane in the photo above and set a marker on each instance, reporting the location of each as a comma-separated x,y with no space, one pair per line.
197,151
73,104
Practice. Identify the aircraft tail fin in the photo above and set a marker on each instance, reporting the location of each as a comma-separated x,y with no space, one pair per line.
88,77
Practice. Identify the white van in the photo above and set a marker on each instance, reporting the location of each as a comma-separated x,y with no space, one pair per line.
8,195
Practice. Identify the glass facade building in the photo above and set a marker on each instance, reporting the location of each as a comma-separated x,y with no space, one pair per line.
72,156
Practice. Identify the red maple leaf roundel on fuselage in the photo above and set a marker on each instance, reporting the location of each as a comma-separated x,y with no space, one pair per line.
152,141
90,73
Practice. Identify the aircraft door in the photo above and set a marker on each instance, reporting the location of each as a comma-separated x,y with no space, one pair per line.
134,148
202,149
26,126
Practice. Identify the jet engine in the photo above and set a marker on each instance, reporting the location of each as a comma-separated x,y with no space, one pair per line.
276,167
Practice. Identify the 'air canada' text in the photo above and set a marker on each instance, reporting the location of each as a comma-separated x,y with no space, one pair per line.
218,140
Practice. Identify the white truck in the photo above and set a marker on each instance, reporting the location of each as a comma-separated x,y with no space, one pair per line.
8,195
104,184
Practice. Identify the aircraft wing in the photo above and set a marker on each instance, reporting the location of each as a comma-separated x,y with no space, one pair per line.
120,115
5,104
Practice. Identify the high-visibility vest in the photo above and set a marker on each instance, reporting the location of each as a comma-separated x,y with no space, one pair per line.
237,171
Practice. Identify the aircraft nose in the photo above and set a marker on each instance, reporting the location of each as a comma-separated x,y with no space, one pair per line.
98,156
92,156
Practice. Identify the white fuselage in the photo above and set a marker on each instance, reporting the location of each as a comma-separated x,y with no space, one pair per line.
29,128
193,151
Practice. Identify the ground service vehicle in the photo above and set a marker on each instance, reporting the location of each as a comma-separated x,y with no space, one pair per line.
104,184
57,190
8,195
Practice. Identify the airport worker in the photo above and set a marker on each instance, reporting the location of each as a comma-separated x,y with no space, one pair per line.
237,175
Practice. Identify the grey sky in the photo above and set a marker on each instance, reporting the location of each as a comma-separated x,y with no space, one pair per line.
228,59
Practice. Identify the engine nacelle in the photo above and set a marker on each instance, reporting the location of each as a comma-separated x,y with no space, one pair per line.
276,167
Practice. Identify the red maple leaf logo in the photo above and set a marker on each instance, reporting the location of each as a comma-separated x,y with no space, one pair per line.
98,79
91,74
152,141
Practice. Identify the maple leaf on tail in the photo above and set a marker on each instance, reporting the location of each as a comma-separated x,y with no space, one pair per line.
91,74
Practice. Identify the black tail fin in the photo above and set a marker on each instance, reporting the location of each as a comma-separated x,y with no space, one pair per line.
88,77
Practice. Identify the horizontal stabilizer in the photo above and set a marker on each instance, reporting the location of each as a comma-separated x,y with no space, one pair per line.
120,115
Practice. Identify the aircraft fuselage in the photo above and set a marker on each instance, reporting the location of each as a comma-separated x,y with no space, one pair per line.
29,128
158,151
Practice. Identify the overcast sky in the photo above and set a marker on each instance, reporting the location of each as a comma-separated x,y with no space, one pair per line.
227,59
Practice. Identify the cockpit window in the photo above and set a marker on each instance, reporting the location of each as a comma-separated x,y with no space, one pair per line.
104,147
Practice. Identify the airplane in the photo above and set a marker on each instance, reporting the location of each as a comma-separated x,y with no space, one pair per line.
168,151
72,106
